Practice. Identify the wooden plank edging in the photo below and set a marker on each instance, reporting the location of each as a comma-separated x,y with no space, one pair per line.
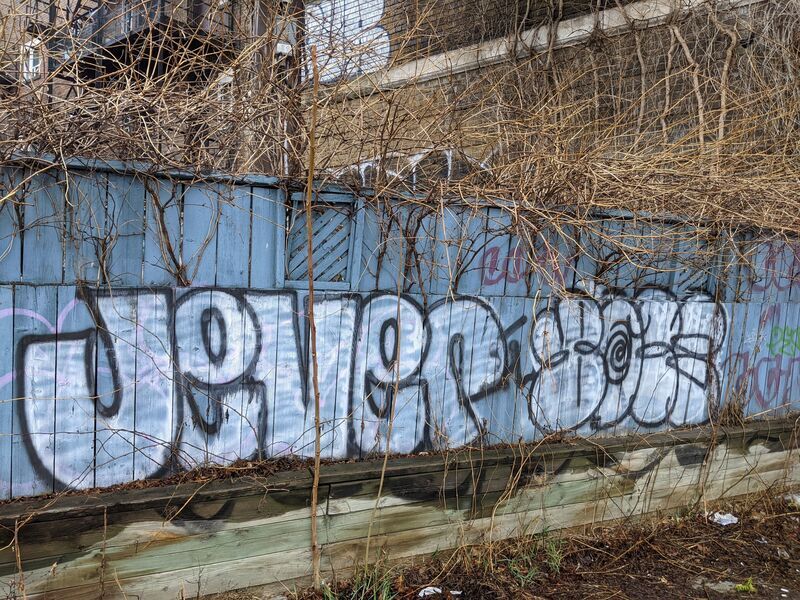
105,502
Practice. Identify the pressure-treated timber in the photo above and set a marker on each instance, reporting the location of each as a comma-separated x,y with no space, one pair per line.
207,537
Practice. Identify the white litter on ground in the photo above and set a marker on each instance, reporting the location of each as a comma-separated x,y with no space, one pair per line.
724,519
429,591
793,500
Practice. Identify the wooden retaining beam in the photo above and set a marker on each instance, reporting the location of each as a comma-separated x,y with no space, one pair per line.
200,538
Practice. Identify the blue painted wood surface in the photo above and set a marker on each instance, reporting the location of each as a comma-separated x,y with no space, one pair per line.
147,325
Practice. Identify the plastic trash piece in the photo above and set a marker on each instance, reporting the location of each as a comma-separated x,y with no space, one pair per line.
724,519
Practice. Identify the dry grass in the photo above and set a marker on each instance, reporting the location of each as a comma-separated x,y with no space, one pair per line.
696,117
683,556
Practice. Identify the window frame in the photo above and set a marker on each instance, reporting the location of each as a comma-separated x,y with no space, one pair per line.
32,59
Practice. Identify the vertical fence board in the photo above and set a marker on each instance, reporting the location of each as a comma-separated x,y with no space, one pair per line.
367,276
194,393
473,231
792,395
384,245
116,386
201,216
86,245
438,373
421,232
783,348
514,310
233,238
76,364
12,186
126,229
227,352
268,238
258,398
162,235
497,409
32,451
494,254
335,326
753,329
6,386
158,408
735,361
289,398
413,395
448,247
43,236
359,407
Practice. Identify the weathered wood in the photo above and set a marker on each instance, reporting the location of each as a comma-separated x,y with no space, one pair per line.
200,538
35,318
338,557
44,228
551,456
126,202
184,519
181,229
73,409
233,239
6,386
252,514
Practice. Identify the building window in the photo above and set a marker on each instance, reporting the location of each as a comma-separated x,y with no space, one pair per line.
349,37
32,60
224,85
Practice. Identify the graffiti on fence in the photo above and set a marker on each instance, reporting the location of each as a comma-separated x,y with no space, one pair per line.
768,377
777,267
170,379
512,265
784,341
651,358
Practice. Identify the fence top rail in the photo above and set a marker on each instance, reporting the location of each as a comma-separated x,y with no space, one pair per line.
327,190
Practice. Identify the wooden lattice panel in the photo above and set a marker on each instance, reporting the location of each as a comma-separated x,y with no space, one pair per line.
331,230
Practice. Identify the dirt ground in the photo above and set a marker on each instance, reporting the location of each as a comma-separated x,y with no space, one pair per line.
675,557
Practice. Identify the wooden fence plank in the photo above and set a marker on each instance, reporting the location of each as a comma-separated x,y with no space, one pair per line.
43,235
87,243
7,373
233,238
75,391
202,207
156,401
193,392
268,238
115,405
12,187
162,235
32,450
127,203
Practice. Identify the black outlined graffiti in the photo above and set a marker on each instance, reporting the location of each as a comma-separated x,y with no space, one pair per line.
209,375
599,361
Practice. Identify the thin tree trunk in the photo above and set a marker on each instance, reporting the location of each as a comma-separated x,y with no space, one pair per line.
315,550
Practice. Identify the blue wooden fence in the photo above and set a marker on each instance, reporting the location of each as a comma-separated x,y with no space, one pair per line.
150,323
